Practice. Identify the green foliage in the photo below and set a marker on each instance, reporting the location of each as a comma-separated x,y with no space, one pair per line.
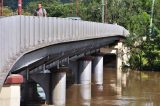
7,11
88,10
135,16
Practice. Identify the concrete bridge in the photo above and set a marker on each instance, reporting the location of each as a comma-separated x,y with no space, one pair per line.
40,47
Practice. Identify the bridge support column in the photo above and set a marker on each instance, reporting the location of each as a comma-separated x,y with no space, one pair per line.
84,72
44,80
119,66
10,93
59,87
119,56
119,60
30,93
98,70
73,65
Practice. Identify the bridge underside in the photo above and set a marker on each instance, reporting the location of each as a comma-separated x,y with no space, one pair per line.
60,54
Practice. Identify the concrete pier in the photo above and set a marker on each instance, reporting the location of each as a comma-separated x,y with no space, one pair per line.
73,65
10,93
119,63
59,87
30,93
84,72
44,80
98,70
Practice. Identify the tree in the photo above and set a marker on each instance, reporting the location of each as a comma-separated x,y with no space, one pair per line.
7,11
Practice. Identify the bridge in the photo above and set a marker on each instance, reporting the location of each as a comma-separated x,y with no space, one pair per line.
32,44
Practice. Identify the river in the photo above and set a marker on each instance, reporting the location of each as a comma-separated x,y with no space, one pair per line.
134,89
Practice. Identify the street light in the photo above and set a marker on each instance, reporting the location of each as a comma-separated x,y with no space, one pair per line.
1,7
105,11
19,7
102,11
151,19
76,7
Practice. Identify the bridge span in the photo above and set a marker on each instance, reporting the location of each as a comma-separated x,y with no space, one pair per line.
37,43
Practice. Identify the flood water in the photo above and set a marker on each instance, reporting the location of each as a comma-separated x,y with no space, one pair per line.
134,89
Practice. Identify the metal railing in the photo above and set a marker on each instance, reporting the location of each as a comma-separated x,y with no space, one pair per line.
22,34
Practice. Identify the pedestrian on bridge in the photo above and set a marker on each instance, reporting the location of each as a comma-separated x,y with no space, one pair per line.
40,11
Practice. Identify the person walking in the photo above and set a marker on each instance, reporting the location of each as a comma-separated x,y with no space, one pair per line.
40,11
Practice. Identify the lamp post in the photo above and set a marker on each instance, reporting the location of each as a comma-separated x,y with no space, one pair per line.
1,7
102,11
105,11
19,7
76,7
151,19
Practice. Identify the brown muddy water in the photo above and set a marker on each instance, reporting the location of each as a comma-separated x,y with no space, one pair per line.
134,89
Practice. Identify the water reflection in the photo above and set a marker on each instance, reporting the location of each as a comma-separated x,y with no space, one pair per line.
85,93
79,95
131,88
100,88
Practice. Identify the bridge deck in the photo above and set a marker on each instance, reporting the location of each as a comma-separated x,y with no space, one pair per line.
22,34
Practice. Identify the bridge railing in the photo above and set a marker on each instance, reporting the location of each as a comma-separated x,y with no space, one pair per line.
22,34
